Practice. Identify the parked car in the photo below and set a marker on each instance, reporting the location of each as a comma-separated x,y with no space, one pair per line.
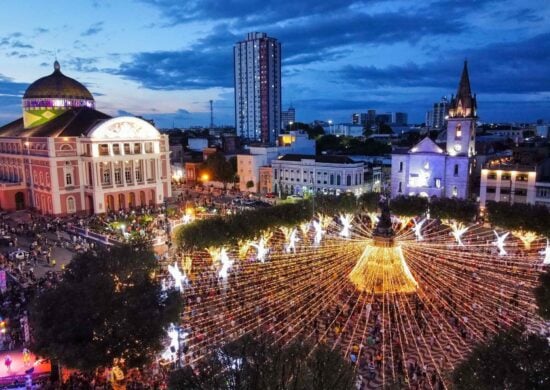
18,254
270,195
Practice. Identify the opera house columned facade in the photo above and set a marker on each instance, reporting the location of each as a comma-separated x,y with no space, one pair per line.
64,157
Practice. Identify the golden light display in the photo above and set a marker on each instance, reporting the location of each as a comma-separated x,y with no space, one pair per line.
409,308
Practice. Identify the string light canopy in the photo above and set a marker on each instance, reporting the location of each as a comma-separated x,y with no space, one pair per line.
394,295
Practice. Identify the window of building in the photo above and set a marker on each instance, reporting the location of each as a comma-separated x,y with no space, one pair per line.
331,179
127,149
456,170
400,190
137,148
338,180
348,180
491,190
275,174
522,177
437,183
71,208
455,191
128,174
506,176
118,176
68,179
458,132
148,147
106,176
521,192
138,174
66,147
103,150
401,166
116,149
504,191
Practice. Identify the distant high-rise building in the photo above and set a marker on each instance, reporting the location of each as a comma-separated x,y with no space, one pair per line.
429,119
400,118
371,117
258,88
356,118
439,114
384,118
364,118
288,117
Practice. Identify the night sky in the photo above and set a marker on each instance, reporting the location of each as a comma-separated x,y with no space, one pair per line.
165,59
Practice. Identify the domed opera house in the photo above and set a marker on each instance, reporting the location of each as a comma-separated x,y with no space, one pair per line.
64,157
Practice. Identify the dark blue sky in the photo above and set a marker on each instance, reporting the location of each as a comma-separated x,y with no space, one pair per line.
166,59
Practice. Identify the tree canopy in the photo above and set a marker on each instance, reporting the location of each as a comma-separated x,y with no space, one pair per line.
107,306
351,145
453,208
409,206
249,224
511,360
251,363
542,294
221,169
519,216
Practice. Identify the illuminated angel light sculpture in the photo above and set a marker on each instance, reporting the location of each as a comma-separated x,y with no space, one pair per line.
292,240
417,229
373,219
262,249
174,344
458,229
227,263
346,220
318,226
179,277
186,219
546,253
499,243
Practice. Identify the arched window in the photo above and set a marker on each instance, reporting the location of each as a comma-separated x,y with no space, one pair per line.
458,131
400,190
71,207
66,147
348,180
456,170
331,179
401,166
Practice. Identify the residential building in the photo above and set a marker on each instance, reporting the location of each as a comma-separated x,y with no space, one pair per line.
64,157
258,88
250,163
505,180
385,118
299,174
438,116
427,169
288,117
356,118
400,118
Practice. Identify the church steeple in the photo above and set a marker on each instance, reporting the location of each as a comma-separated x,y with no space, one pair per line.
464,104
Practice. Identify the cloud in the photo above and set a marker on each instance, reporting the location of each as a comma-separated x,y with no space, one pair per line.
82,64
21,45
12,88
507,67
93,29
175,70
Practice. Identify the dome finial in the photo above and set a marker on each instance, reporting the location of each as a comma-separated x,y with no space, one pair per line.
56,65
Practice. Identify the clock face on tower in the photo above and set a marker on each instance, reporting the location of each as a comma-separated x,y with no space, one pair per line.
457,147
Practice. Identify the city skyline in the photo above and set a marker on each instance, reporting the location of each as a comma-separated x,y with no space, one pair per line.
165,60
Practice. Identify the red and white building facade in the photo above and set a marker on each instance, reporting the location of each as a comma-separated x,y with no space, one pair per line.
81,161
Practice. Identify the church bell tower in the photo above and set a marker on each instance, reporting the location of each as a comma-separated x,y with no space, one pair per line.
461,124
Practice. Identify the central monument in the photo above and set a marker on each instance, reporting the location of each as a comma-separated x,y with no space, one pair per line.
382,267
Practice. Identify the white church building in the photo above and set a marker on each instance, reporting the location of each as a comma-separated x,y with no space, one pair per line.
428,170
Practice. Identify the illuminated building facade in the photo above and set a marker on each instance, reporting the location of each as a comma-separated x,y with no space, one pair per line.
64,157
428,170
